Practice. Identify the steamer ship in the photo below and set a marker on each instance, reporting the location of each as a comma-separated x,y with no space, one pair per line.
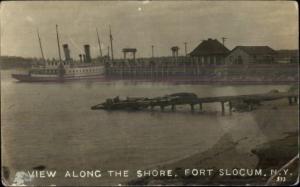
67,69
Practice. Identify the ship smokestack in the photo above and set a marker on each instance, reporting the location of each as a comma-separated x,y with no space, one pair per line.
87,53
67,52
80,56
84,58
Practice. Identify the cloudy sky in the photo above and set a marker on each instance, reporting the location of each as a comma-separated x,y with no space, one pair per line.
140,24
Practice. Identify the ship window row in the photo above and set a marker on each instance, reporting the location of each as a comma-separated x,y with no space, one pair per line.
51,71
83,70
55,63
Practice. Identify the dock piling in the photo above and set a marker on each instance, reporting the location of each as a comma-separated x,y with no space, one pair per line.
230,107
152,107
192,107
173,107
250,106
223,107
200,107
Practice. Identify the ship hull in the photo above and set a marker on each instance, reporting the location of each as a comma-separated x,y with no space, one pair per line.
29,78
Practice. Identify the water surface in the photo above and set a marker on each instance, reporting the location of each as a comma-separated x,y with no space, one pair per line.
51,124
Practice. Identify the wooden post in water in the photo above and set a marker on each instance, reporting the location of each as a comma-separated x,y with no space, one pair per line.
173,107
162,107
200,107
152,107
250,106
223,108
192,107
230,107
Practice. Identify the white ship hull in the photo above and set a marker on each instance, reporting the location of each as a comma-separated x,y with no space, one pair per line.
51,73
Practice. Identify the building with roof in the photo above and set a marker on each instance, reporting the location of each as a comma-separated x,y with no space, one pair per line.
287,56
251,55
210,51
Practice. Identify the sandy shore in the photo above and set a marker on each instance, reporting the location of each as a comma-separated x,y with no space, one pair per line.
273,144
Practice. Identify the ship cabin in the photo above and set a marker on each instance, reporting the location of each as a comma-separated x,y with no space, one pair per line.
84,67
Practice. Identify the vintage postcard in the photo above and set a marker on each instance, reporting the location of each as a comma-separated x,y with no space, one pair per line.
143,93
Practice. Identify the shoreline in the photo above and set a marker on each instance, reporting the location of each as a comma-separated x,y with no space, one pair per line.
227,153
172,80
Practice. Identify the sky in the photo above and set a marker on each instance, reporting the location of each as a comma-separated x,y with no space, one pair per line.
141,24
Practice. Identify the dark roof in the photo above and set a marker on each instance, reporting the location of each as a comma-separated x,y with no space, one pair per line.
129,50
174,48
256,50
209,47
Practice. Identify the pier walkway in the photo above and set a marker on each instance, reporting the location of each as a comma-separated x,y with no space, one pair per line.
193,100
250,100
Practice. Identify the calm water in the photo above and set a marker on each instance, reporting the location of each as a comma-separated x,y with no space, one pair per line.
51,124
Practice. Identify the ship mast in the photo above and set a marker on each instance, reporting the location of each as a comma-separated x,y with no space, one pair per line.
99,43
58,45
40,42
108,52
111,44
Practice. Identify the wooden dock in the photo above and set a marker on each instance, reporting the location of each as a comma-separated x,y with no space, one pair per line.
173,100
